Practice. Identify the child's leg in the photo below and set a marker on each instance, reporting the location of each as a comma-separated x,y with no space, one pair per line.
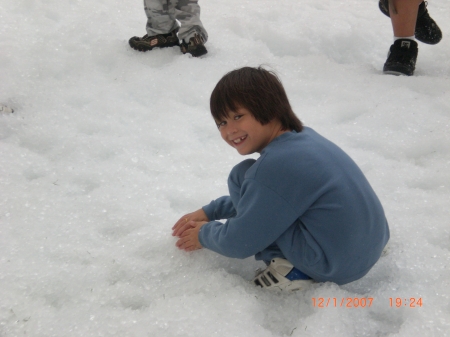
403,53
161,17
188,13
235,181
427,30
236,178
403,16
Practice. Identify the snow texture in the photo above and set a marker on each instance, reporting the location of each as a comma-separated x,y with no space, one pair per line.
108,147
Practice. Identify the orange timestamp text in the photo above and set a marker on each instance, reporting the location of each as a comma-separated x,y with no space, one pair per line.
344,302
411,302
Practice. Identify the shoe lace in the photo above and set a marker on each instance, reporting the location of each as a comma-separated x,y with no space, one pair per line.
405,56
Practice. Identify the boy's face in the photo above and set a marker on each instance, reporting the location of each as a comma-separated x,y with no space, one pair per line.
243,132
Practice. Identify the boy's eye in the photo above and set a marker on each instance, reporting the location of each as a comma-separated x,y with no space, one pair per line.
219,124
236,117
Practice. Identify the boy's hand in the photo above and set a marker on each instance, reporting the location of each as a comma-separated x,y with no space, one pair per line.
184,222
188,240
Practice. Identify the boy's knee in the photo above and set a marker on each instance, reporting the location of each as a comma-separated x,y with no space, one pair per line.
237,174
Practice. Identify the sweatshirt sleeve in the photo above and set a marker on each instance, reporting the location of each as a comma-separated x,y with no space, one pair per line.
221,208
261,217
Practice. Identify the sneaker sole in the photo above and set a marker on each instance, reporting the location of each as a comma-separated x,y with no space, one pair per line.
287,286
396,73
143,47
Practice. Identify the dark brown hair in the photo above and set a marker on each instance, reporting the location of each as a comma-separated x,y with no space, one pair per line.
258,90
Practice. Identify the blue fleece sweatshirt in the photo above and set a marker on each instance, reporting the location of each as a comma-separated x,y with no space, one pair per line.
306,200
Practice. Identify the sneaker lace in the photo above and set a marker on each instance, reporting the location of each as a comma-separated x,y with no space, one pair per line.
404,57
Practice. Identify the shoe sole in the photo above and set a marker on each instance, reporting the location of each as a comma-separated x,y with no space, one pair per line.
286,286
396,73
144,47
397,69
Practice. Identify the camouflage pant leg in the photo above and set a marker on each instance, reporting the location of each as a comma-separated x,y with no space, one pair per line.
188,13
161,17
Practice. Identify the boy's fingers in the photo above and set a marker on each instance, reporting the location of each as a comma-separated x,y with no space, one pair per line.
198,215
181,222
177,226
184,243
180,242
187,242
187,246
186,232
182,228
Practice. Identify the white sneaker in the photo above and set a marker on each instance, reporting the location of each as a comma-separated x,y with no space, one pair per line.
386,250
6,109
274,277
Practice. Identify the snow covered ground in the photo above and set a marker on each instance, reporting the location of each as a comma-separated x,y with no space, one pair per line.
108,147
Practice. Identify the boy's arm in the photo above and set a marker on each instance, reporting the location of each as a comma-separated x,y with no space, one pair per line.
262,216
221,208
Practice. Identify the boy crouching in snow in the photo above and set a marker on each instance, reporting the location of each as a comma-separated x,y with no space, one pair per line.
304,207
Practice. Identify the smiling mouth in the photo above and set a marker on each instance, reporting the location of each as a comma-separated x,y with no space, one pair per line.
237,141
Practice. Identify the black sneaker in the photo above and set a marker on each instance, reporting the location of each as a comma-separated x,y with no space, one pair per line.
195,47
427,29
402,58
158,41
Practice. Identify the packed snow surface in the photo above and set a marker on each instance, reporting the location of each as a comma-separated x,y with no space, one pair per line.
108,147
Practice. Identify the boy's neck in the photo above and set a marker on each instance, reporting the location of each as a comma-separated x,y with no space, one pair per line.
278,131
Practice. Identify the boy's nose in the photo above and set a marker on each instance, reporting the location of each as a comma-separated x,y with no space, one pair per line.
231,130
